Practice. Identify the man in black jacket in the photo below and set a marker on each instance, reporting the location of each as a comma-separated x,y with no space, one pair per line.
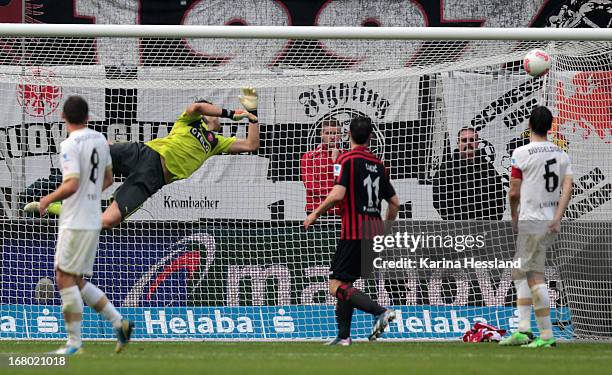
467,185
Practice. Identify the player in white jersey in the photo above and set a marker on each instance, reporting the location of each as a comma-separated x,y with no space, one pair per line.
87,171
540,191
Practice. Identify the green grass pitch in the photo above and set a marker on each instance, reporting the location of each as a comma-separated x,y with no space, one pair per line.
293,358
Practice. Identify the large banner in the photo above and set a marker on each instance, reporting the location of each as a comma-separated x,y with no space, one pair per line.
411,138
499,107
247,186
262,323
254,280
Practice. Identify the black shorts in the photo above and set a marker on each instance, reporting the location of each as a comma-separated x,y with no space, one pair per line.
142,169
346,264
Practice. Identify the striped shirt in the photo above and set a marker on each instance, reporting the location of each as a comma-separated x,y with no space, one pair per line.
367,183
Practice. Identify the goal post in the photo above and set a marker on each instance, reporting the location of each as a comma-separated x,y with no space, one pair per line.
223,254
303,32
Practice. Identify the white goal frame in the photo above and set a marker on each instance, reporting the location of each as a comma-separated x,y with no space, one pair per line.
304,32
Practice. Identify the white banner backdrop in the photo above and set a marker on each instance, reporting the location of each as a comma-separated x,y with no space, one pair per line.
36,94
485,101
31,106
237,186
500,105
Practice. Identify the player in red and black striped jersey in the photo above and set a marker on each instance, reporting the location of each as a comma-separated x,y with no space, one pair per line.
361,184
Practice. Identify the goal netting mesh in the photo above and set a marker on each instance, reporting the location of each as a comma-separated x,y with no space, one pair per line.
223,254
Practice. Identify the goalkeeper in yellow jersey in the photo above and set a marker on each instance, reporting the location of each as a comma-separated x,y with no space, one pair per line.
151,165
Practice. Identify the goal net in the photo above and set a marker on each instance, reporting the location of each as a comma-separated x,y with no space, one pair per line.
223,254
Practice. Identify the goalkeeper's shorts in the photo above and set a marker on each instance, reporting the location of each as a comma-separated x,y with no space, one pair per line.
142,168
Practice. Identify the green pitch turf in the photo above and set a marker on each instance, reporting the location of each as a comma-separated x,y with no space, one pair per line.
178,358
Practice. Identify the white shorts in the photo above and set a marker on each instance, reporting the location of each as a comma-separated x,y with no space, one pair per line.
531,250
76,251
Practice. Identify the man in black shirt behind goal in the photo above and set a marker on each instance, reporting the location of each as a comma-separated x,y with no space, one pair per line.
361,183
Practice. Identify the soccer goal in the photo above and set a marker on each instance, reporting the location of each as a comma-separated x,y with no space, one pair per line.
223,255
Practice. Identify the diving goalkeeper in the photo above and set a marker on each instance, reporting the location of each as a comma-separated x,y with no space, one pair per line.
151,165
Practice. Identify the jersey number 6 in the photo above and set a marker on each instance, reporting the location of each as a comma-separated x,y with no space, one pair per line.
552,179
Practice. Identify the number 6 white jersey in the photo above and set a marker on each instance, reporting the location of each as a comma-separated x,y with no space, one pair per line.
84,155
542,166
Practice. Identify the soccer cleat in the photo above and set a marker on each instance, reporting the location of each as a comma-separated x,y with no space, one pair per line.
54,208
539,343
67,350
382,321
340,342
31,207
123,334
517,338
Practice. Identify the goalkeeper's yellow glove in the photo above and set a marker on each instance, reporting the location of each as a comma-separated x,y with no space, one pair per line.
249,99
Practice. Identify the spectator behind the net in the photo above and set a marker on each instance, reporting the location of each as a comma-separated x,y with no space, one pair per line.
317,166
467,185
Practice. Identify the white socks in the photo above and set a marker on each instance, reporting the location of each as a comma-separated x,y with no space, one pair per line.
74,333
72,303
524,311
92,295
110,313
541,301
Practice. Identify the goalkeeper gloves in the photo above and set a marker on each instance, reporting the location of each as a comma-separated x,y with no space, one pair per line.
249,99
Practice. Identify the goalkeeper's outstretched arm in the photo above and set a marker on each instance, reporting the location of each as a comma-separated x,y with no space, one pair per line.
249,100
250,143
203,108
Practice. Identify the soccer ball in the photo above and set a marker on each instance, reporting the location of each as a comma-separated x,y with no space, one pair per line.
536,63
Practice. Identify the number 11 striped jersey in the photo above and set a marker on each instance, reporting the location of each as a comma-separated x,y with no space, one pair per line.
84,155
367,184
542,166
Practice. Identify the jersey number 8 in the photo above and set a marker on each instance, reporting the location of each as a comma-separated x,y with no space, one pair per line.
94,159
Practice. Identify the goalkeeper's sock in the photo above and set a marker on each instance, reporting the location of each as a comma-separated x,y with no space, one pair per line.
541,305
524,301
359,299
344,315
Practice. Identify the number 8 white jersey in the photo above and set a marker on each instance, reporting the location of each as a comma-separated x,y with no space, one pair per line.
84,155
542,166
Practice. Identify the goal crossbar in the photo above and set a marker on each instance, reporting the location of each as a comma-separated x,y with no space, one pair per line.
303,32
